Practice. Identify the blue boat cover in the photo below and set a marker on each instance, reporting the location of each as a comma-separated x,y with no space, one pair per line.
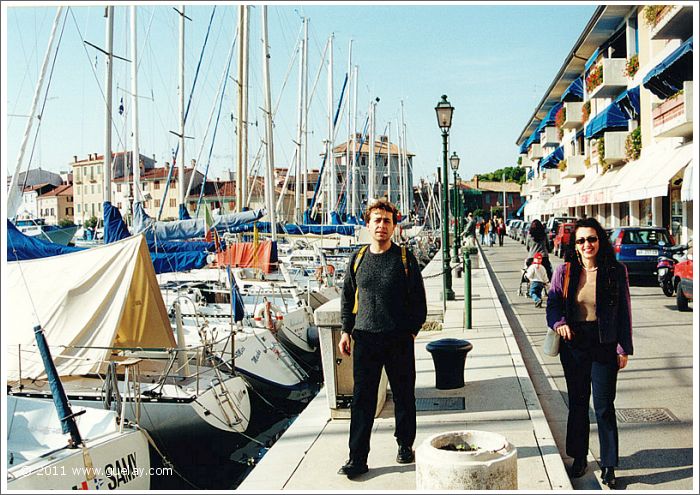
667,78
178,262
591,60
574,92
114,226
610,119
335,218
236,299
551,160
183,214
23,247
628,102
158,246
295,229
189,229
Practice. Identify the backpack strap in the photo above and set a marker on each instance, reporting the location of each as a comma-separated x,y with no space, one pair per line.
404,260
355,265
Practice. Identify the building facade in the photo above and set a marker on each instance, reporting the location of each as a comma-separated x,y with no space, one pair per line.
56,205
612,137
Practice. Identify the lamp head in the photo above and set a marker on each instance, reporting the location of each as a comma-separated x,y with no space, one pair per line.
454,161
444,112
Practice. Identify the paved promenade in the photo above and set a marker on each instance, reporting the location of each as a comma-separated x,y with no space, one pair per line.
498,397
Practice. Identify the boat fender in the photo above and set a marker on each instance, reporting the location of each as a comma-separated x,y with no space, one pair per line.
312,336
268,315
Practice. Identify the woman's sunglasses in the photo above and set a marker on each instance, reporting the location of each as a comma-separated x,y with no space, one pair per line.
591,240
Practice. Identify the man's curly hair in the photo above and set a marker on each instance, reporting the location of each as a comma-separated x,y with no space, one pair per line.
381,204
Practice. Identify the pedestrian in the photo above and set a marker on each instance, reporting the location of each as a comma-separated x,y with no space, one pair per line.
589,307
492,232
383,307
540,245
538,278
501,230
482,230
470,231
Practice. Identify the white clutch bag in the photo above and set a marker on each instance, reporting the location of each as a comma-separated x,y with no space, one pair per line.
551,343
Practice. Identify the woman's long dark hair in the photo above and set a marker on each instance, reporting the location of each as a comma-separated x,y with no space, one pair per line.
537,230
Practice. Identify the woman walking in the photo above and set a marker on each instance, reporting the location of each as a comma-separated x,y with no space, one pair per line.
539,245
589,307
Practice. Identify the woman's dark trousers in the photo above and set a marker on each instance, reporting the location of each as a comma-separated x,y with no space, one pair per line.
371,352
588,363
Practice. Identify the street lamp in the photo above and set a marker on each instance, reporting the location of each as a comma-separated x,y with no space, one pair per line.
444,111
454,163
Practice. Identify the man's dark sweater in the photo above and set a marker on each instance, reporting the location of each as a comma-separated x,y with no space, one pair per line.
388,301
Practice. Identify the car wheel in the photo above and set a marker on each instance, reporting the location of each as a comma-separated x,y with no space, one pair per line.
681,300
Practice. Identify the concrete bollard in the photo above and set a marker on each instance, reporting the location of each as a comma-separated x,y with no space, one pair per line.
466,460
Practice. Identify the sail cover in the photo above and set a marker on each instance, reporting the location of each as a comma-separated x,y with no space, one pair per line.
86,302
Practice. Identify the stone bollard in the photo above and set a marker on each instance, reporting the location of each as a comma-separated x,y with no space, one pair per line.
466,460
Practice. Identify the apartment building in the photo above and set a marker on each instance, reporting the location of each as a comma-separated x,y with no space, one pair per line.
56,205
612,137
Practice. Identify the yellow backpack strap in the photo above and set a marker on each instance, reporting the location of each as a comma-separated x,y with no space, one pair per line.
404,260
358,258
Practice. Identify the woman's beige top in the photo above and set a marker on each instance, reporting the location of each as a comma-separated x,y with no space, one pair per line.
585,297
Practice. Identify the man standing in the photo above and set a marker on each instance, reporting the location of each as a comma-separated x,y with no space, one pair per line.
470,231
383,308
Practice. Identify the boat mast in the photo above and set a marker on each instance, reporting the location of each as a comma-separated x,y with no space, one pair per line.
305,136
388,161
331,195
109,42
400,198
135,162
14,195
242,56
181,165
300,130
353,182
270,158
350,131
404,170
371,193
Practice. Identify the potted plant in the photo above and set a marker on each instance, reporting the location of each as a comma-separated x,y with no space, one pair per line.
632,66
595,78
633,144
586,110
600,144
653,14
562,165
559,120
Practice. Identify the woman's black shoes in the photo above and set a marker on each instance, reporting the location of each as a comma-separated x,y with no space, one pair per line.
578,468
608,477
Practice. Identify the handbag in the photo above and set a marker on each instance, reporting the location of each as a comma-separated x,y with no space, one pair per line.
550,346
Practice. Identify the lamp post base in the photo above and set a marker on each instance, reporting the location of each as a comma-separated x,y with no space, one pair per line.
450,294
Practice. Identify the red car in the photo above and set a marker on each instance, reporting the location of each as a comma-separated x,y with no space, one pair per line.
683,274
562,237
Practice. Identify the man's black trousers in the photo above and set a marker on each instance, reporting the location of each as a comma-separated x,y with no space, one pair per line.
394,352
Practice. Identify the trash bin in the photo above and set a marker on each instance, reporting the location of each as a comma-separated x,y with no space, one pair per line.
449,356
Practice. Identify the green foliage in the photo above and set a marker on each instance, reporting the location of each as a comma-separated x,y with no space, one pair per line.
91,222
65,222
478,213
601,154
632,66
562,165
513,174
633,144
652,14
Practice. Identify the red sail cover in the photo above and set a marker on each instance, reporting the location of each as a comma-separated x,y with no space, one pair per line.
247,255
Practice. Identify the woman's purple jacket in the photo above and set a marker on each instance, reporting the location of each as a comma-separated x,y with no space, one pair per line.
614,315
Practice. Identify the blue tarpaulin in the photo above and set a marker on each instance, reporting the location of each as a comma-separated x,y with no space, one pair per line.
178,262
628,102
114,227
667,78
574,92
551,160
610,119
23,247
183,214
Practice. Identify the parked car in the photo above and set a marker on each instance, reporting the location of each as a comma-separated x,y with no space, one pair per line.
514,228
683,276
522,233
638,248
552,228
562,238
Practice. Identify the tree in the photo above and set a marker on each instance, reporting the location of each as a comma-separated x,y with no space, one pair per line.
91,222
65,222
513,174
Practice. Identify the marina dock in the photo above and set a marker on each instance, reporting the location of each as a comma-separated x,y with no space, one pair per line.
498,397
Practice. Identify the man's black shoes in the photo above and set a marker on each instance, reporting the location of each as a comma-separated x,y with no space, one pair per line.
608,477
405,455
578,468
352,469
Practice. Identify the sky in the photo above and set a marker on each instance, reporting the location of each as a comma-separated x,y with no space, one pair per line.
494,62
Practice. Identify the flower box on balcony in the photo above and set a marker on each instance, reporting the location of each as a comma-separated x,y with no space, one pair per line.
552,177
574,115
549,137
574,167
673,21
535,151
674,116
614,79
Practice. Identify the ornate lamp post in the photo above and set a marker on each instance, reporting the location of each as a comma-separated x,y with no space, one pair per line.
454,163
444,112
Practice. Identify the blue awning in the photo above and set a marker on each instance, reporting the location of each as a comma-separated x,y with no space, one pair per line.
574,92
551,160
667,78
591,60
530,174
610,119
550,119
628,102
520,210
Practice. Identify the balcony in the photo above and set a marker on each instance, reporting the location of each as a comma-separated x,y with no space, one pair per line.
525,189
614,148
526,163
535,151
674,21
548,136
674,116
575,167
614,79
552,177
574,115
